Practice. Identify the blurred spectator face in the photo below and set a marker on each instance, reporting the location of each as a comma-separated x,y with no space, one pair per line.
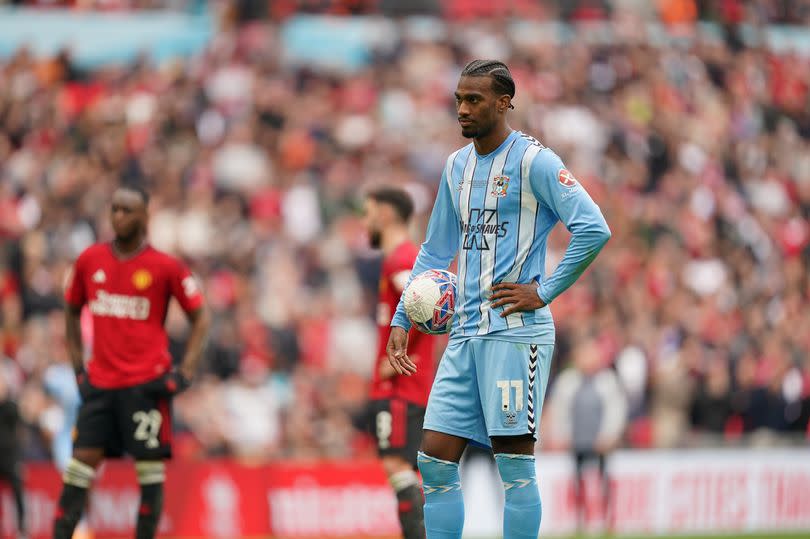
717,378
128,214
478,107
588,358
373,218
377,217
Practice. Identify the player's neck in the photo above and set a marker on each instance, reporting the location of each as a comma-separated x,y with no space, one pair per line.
130,247
393,238
490,142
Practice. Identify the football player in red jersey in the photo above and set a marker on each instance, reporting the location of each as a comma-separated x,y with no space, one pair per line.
129,383
398,402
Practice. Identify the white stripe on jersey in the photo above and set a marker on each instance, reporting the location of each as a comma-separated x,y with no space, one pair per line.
528,215
464,212
488,256
448,169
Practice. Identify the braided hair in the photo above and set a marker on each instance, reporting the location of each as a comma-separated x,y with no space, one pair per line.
502,81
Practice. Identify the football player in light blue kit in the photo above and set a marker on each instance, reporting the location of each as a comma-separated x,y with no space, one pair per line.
498,200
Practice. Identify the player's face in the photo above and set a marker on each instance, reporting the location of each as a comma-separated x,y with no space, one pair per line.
371,214
477,106
128,214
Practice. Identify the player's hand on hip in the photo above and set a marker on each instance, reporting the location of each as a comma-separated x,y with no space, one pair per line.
84,385
170,384
518,297
397,350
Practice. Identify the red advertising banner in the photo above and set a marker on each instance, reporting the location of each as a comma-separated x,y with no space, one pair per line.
220,498
653,493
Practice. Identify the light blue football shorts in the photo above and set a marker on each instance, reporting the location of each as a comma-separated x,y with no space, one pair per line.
486,387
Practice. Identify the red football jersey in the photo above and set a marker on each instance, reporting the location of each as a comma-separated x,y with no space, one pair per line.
396,269
128,299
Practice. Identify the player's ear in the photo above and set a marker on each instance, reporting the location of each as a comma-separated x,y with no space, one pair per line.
504,103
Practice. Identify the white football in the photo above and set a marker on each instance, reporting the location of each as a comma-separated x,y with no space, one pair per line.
430,301
421,298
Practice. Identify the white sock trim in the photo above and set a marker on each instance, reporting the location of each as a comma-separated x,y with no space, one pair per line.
150,472
403,479
427,458
78,474
514,456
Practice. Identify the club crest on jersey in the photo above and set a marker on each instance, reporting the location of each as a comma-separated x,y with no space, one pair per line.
142,279
510,418
499,186
566,178
99,276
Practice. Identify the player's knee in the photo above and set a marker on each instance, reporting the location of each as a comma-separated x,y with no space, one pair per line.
89,456
78,474
150,472
394,464
442,446
513,445
438,474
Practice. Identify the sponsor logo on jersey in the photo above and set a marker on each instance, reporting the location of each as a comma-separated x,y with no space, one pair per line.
142,279
99,276
566,178
480,229
120,306
499,186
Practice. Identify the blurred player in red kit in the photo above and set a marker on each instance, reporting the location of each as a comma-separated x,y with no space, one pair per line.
129,383
397,406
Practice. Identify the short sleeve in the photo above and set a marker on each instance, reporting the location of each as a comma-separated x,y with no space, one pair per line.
185,288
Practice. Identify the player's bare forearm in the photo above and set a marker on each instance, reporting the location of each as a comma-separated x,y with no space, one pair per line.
200,322
73,337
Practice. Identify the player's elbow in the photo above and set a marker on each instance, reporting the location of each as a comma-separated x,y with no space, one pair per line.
602,234
201,319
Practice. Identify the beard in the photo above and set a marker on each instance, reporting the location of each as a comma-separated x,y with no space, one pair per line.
476,131
126,236
375,239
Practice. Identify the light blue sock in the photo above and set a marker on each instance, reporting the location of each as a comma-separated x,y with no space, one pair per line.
522,509
444,505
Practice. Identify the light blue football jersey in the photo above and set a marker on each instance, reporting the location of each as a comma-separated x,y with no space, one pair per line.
495,213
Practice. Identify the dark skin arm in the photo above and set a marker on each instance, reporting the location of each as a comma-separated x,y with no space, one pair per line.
519,297
200,322
397,349
73,336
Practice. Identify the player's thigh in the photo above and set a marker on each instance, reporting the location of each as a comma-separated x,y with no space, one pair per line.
512,379
397,428
454,407
144,421
96,429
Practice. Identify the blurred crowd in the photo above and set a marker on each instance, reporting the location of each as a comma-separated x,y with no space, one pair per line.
698,154
795,12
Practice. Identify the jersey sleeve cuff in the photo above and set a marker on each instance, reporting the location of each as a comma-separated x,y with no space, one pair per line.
401,321
71,302
544,297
